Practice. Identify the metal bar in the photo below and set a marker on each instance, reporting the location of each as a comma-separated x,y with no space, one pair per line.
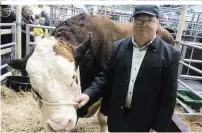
187,108
3,66
181,25
193,61
193,29
192,51
191,45
7,45
13,54
51,15
16,47
191,67
32,43
6,51
196,31
27,38
191,77
191,36
177,21
189,88
6,24
180,67
5,75
194,43
38,26
5,31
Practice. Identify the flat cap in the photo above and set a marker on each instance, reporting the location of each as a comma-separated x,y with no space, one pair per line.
146,9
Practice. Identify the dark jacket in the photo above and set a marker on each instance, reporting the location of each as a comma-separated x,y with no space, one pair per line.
154,95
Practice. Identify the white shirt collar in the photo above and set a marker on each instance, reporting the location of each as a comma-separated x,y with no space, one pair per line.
133,41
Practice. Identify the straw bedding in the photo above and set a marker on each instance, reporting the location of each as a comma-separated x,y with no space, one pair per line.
20,112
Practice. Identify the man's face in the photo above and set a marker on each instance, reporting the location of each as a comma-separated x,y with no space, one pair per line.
5,12
28,11
145,25
42,21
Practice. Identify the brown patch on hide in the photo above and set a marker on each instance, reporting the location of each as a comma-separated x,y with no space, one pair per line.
65,49
165,35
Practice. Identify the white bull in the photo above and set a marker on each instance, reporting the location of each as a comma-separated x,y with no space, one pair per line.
54,77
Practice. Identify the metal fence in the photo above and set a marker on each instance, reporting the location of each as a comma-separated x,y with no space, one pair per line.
61,13
28,43
193,25
9,47
169,18
183,64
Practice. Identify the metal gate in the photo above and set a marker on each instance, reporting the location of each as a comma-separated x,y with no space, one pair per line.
192,82
9,47
28,43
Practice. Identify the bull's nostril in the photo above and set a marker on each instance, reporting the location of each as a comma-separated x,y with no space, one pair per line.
58,126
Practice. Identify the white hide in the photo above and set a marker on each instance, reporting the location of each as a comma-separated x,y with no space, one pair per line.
51,76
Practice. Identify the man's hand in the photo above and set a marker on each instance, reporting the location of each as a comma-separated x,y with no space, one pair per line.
82,100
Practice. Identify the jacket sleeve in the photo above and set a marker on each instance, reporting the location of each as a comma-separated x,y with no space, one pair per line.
167,99
97,87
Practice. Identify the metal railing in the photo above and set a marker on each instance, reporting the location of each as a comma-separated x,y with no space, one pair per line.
9,47
28,43
183,64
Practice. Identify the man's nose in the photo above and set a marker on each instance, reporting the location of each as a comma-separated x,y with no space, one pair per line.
144,23
64,125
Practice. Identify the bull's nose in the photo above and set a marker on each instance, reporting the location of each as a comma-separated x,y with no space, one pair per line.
61,125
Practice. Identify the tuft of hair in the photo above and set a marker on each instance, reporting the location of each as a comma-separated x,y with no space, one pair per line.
65,49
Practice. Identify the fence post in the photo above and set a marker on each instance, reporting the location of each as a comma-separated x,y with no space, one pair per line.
14,48
51,16
27,38
184,49
181,25
18,23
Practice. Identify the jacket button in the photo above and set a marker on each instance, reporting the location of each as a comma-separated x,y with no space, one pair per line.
121,107
127,79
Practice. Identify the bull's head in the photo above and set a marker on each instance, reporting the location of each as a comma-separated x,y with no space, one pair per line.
54,75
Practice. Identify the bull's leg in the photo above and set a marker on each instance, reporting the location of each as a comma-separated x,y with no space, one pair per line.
102,119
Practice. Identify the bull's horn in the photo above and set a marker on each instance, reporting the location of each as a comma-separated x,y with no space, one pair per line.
83,47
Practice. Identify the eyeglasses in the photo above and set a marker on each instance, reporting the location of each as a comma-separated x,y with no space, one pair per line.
146,21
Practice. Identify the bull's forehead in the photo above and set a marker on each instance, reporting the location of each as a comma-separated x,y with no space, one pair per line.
51,75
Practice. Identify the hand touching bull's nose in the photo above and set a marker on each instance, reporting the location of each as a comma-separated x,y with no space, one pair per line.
82,100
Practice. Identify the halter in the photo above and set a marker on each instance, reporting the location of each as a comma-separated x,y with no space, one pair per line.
62,103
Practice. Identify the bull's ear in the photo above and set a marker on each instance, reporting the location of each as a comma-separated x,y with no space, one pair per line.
83,48
20,64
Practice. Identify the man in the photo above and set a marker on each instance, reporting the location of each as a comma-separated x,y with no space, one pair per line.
143,71
45,15
27,13
7,16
